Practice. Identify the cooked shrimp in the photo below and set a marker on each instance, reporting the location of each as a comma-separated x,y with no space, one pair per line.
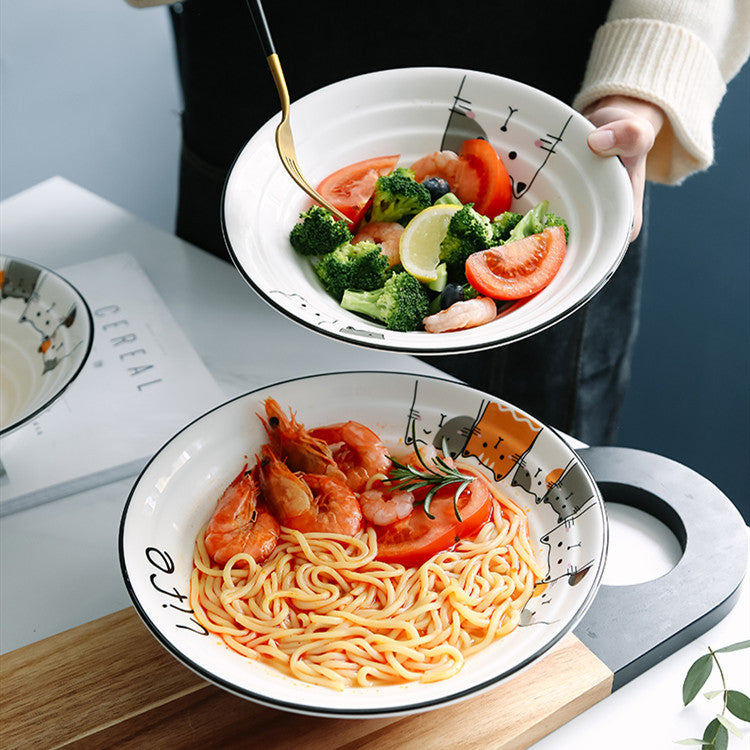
445,164
387,234
382,507
307,502
467,313
295,445
335,507
357,450
241,522
285,492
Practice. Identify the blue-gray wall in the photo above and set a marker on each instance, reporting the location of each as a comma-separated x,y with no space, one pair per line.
88,90
689,398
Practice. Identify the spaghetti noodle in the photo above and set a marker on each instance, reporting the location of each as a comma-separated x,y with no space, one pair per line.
323,609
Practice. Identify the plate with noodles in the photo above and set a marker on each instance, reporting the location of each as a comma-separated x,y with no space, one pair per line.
363,544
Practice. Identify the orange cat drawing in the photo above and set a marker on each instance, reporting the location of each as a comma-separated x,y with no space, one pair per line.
500,438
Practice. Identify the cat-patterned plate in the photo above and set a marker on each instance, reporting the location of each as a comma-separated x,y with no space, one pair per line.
177,492
46,333
413,112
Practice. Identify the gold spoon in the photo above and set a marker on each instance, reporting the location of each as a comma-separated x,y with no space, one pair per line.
284,140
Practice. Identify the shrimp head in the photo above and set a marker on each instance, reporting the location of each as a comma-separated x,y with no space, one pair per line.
285,492
292,443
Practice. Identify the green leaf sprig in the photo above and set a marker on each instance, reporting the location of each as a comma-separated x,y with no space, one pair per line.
436,477
716,734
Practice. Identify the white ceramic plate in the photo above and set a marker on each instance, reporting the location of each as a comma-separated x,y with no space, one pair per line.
176,494
46,333
413,112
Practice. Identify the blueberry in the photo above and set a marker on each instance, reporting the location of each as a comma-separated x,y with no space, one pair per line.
437,186
451,293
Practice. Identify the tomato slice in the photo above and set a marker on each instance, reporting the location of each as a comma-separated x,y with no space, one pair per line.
517,269
418,537
495,192
350,188
477,176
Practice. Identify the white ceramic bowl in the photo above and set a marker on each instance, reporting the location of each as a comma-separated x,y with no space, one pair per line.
413,112
176,494
46,333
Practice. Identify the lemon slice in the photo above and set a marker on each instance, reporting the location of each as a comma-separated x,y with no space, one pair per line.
419,248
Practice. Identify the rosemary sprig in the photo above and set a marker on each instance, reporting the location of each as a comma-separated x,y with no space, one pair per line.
436,477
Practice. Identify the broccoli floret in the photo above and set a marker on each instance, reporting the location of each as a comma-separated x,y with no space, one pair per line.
553,220
318,232
360,266
502,226
468,232
469,291
537,220
532,222
401,304
398,196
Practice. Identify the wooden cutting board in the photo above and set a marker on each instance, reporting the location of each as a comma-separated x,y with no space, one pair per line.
109,683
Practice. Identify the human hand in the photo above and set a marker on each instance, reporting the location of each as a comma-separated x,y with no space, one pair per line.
627,128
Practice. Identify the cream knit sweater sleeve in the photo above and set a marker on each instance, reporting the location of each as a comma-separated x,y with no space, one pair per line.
678,54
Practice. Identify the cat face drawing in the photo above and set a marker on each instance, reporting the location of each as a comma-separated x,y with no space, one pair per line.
530,475
434,429
558,545
501,437
568,494
18,280
534,613
42,316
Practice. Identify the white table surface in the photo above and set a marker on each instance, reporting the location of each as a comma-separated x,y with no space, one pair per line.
58,562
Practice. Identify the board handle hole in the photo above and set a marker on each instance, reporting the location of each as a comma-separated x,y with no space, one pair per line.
646,536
